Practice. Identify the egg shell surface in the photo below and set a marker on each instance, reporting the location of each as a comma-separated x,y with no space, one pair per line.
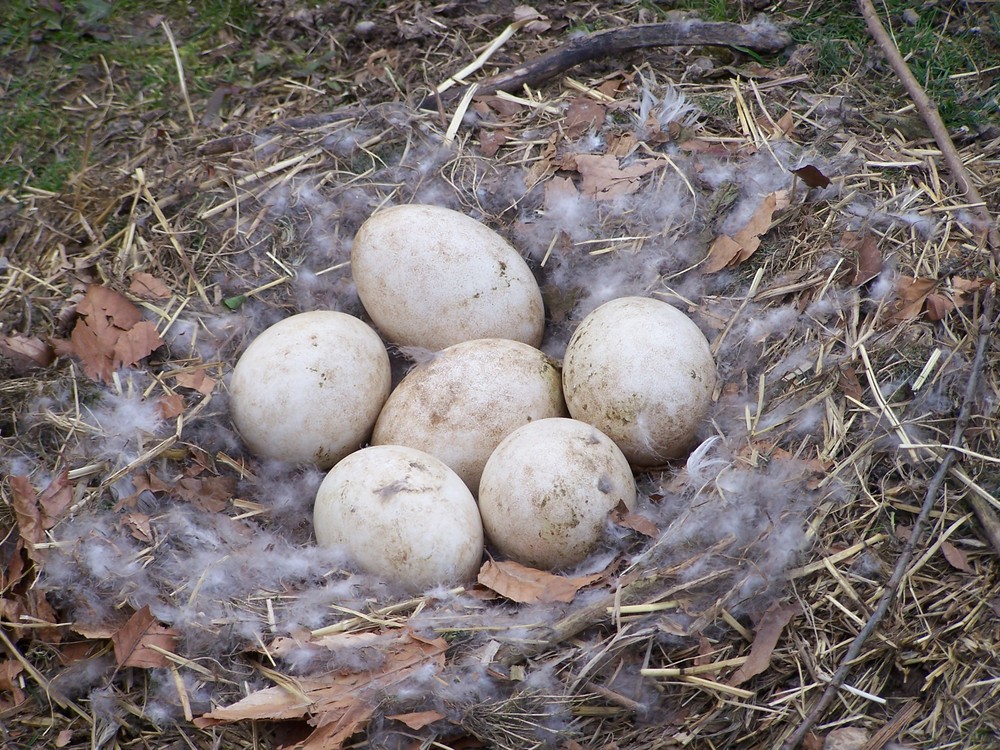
547,490
642,372
309,388
402,515
461,404
432,277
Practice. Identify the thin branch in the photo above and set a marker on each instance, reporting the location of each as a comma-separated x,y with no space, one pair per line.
934,122
986,323
601,44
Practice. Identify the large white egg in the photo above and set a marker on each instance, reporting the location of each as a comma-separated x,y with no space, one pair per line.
432,277
310,388
642,372
547,490
461,404
402,515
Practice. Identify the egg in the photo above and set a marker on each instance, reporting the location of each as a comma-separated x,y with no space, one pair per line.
402,515
462,403
432,277
309,388
547,489
642,372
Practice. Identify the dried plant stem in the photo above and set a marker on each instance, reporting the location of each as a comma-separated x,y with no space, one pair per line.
180,70
934,123
986,323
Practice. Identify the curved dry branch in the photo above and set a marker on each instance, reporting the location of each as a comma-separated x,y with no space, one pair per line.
759,37
986,327
928,110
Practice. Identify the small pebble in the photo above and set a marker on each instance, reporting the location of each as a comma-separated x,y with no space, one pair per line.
911,16
846,738
364,28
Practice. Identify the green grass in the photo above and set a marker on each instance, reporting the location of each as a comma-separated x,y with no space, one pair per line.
54,60
939,48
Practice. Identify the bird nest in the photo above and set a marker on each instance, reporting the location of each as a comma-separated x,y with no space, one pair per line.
160,584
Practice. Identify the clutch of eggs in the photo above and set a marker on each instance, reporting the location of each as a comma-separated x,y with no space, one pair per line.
487,413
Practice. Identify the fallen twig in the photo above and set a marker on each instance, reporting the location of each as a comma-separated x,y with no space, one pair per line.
757,37
986,323
934,122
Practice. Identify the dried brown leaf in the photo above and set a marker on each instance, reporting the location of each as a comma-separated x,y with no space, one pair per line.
146,286
196,380
418,719
622,516
956,557
543,166
10,669
849,384
338,704
133,641
605,179
502,106
526,585
536,22
723,252
109,333
211,494
28,514
55,499
138,526
911,293
26,352
730,251
557,189
170,405
786,126
869,262
583,115
812,176
137,342
938,306
490,141
769,630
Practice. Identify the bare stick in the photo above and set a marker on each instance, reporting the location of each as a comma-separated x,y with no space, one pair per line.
934,122
986,323
760,38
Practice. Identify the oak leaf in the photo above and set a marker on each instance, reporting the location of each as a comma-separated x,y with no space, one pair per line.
622,516
812,176
10,670
109,333
583,115
134,640
27,513
418,719
869,262
146,286
26,352
730,251
526,585
605,179
338,704
196,380
769,630
911,294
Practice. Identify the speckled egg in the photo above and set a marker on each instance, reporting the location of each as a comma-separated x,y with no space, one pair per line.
309,388
642,372
432,277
